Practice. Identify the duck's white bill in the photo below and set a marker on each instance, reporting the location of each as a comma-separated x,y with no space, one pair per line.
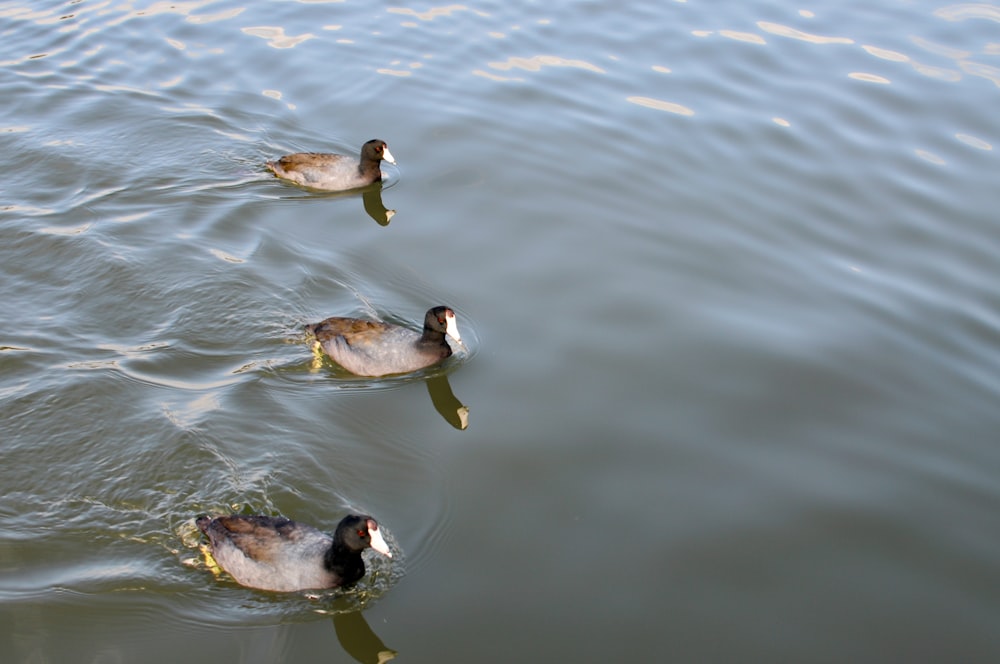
451,329
387,156
378,542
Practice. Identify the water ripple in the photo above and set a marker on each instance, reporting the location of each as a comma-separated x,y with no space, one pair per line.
969,11
661,105
793,33
276,37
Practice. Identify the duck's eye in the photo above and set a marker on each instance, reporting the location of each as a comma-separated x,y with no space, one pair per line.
362,534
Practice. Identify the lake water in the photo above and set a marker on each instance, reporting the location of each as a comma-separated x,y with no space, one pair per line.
727,272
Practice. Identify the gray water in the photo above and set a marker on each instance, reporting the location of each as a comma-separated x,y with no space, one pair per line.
726,270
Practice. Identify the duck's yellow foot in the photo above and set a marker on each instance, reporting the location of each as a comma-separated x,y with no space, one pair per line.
210,563
317,360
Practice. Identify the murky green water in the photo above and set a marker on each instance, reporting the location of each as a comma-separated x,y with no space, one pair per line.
727,272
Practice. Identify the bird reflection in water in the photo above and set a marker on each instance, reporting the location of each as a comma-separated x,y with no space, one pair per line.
375,208
358,640
443,398
446,403
371,198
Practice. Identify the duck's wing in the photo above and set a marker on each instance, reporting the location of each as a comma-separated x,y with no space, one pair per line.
303,160
366,348
260,538
353,330
313,168
347,338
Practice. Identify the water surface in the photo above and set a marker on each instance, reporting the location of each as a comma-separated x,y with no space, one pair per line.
726,272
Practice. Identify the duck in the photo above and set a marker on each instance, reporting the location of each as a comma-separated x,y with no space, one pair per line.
373,348
281,555
334,172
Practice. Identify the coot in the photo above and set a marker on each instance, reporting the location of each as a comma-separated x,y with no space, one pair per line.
334,172
274,553
372,348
